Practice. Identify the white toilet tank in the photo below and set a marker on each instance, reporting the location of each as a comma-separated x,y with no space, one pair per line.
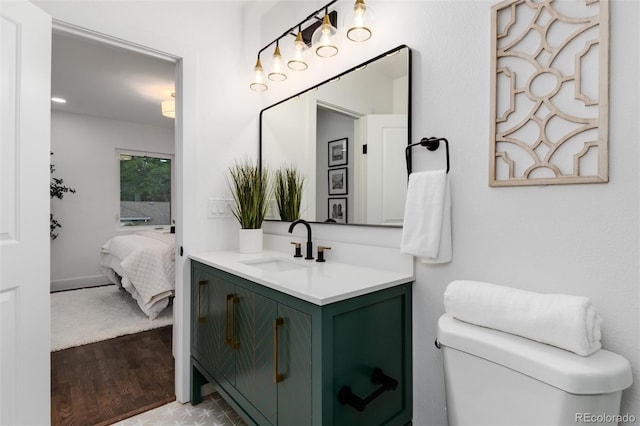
494,378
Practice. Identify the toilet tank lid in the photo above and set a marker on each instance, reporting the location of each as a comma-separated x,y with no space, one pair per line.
600,372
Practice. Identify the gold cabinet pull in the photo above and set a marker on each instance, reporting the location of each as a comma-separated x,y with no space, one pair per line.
200,284
230,330
234,343
228,340
277,377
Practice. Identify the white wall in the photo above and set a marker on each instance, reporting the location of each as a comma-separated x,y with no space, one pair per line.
288,139
353,93
579,239
400,96
84,150
575,239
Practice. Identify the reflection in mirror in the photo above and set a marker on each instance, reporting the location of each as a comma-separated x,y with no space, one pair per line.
347,138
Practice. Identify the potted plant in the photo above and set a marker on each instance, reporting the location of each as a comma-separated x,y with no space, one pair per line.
57,189
288,192
249,187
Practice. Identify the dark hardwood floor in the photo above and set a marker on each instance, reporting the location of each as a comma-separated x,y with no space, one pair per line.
105,382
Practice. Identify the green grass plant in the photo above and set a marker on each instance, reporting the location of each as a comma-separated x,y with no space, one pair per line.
288,192
249,187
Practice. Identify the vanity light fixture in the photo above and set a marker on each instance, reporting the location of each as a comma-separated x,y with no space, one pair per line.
359,22
325,38
321,35
169,107
301,43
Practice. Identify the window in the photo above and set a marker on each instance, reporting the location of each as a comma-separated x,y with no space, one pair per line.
145,189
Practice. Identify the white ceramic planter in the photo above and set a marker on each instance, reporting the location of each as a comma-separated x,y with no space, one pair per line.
250,240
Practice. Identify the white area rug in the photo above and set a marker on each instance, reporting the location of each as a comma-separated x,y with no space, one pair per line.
93,314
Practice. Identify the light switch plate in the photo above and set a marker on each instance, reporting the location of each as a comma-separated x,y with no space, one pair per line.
218,208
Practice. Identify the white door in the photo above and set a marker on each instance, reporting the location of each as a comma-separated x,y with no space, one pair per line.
386,137
25,68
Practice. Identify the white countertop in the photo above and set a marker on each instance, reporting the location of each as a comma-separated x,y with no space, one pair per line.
318,283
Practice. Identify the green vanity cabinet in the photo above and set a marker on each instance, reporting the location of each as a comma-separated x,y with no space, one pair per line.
209,307
280,360
233,335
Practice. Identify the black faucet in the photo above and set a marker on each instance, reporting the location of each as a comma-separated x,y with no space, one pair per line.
309,244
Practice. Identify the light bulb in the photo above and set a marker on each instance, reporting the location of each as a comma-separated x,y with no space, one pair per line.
168,108
324,39
358,30
278,72
258,81
297,63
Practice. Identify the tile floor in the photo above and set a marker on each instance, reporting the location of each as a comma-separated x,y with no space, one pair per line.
212,411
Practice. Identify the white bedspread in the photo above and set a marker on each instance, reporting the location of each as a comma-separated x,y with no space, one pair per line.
143,264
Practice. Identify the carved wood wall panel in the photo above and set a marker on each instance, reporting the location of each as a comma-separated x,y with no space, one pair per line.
549,92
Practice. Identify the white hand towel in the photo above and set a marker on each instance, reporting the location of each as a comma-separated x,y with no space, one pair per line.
426,230
568,322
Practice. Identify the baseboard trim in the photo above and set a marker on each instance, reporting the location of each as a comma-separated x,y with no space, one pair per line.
81,282
207,389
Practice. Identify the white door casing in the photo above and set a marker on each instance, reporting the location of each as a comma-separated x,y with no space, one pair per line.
25,69
185,129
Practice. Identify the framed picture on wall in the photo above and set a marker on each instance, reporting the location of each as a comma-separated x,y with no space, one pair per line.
337,210
338,152
338,181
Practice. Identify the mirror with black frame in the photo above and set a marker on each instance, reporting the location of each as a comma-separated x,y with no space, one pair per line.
347,138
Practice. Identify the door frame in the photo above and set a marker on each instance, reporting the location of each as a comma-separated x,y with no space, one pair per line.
359,160
184,58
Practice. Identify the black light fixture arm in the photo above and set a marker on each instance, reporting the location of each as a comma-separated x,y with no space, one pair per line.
314,15
293,33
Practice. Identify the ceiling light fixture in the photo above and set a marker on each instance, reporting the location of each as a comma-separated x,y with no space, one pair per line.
58,100
169,107
322,35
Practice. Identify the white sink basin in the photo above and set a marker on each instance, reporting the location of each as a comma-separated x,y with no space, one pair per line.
276,264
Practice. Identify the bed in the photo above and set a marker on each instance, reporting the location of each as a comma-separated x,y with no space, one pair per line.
143,264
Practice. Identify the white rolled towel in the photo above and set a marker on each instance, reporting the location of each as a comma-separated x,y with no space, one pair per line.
568,322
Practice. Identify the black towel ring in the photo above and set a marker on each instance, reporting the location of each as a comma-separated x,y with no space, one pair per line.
431,144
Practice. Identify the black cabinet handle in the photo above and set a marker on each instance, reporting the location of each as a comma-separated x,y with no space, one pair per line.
346,396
